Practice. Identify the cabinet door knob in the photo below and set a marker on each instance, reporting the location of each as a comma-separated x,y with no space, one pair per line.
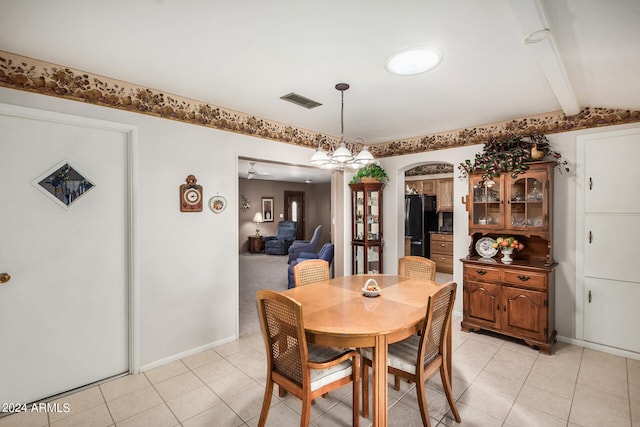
481,272
524,278
4,278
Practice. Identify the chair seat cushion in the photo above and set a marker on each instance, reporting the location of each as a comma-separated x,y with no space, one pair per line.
402,355
322,377
308,255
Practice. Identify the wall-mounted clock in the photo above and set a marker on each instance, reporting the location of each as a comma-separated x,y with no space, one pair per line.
191,196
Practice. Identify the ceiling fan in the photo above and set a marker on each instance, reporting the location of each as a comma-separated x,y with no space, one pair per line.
252,172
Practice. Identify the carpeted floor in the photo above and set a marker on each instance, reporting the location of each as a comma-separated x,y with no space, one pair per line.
258,271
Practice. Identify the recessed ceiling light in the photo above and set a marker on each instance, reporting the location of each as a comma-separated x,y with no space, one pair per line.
537,36
413,61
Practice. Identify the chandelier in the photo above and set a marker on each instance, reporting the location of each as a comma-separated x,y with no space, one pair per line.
341,156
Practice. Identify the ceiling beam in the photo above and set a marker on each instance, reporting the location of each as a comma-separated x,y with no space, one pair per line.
538,36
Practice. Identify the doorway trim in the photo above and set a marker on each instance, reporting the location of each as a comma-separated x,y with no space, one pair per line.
131,238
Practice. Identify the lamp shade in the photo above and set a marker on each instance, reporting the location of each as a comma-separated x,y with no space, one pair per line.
342,154
320,157
258,217
364,157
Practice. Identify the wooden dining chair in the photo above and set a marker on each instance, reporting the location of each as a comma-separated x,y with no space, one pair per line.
305,370
418,357
417,267
310,271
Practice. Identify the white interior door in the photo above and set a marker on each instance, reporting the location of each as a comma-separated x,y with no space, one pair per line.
64,311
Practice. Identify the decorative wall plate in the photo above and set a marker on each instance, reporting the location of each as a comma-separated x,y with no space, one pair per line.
485,248
217,204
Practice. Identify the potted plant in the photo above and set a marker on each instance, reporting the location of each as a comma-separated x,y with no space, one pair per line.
373,171
511,153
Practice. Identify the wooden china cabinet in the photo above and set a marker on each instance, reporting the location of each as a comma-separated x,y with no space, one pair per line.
366,227
514,299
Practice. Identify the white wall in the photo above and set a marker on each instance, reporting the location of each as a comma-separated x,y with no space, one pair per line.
187,264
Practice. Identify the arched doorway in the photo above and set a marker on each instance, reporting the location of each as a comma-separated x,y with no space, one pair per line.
429,213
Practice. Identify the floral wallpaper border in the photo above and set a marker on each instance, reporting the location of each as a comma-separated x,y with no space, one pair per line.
430,169
23,73
548,123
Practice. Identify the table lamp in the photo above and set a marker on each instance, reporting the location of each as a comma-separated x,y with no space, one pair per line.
258,219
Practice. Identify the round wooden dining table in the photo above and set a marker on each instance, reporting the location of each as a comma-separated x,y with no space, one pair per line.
336,313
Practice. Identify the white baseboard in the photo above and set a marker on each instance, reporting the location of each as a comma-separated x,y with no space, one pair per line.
187,353
600,347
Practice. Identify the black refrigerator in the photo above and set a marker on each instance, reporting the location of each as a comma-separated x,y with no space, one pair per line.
420,218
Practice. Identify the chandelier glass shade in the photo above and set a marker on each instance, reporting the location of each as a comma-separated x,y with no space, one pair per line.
341,156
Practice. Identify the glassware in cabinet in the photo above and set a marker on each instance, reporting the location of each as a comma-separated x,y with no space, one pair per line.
367,228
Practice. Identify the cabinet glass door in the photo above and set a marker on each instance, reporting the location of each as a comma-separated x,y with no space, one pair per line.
358,259
373,215
527,203
373,260
486,203
358,215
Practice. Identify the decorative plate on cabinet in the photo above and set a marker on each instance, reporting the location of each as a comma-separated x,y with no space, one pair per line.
485,248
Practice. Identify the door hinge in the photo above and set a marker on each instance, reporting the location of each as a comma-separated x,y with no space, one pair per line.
546,303
546,331
589,297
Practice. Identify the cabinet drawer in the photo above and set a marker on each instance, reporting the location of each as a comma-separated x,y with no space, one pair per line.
443,262
442,237
442,247
526,278
481,274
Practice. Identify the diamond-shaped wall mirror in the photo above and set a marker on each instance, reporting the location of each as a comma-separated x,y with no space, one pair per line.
65,184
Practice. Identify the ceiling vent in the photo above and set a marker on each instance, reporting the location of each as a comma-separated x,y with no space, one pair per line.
300,100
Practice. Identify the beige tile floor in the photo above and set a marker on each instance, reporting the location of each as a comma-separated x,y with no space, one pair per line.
496,383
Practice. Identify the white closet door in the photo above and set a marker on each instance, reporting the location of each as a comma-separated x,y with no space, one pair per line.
612,175
610,249
64,312
608,234
611,313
